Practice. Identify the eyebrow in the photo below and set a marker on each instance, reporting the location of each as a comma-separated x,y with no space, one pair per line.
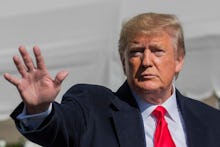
156,45
135,44
133,47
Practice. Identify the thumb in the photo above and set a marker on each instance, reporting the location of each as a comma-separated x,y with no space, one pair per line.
60,77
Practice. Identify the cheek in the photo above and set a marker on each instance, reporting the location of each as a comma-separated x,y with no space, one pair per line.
132,66
166,67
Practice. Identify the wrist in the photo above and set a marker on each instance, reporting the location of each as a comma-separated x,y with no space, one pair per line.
30,110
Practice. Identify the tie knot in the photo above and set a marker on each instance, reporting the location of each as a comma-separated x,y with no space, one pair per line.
159,112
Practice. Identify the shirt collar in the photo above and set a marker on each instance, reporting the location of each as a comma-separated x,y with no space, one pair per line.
170,104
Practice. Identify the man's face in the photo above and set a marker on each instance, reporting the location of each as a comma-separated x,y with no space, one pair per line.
150,63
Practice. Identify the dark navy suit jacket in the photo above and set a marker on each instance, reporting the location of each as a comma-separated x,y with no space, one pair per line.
94,116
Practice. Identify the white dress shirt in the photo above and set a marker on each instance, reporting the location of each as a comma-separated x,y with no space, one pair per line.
173,118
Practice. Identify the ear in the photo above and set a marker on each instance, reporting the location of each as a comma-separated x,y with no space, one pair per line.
123,63
179,63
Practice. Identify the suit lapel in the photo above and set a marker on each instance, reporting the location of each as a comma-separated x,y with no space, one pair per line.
127,119
129,127
195,128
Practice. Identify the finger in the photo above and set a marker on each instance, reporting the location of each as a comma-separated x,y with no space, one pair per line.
11,79
60,77
26,58
39,58
20,67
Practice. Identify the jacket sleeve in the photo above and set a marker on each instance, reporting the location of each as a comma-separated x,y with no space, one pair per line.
64,125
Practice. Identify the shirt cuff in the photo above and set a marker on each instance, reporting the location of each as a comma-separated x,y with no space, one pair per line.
33,121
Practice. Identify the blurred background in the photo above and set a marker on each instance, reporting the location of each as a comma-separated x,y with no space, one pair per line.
81,37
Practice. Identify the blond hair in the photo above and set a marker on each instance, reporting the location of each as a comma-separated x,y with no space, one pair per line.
150,23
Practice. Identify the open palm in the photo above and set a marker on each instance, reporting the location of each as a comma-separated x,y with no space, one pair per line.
36,87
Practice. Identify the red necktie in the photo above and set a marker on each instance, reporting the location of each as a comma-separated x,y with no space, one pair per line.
162,137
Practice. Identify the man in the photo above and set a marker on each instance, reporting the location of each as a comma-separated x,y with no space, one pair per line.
152,51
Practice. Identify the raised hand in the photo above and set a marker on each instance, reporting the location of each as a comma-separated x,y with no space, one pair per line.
36,87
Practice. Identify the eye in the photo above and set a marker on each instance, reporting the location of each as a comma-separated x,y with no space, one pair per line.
136,52
157,51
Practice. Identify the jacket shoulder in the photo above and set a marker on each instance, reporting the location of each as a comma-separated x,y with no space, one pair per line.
89,94
199,109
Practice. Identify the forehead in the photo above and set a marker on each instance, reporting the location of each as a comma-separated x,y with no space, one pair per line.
158,37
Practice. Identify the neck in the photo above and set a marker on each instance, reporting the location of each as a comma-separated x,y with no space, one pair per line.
156,97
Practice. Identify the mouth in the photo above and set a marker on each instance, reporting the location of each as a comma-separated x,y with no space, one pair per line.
148,76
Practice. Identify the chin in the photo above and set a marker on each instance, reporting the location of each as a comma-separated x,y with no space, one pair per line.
146,86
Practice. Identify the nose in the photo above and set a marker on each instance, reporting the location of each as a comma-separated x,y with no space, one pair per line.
146,58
